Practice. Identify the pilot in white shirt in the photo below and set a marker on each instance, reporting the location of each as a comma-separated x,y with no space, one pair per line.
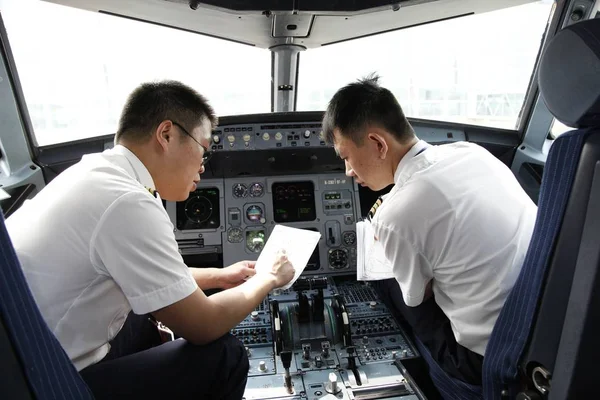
455,226
97,243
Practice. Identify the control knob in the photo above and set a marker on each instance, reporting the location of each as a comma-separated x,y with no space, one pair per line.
254,315
262,366
307,134
332,386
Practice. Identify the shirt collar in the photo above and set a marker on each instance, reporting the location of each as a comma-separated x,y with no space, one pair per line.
414,151
141,173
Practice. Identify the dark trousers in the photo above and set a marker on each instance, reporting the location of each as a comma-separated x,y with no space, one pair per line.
429,323
179,370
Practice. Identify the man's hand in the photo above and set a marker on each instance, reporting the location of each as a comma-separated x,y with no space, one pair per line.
236,274
282,270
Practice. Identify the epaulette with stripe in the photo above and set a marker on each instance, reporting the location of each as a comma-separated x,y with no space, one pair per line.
152,191
374,208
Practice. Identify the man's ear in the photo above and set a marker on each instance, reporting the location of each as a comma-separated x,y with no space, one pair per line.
163,135
380,142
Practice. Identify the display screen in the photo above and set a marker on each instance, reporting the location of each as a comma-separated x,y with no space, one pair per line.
200,210
294,201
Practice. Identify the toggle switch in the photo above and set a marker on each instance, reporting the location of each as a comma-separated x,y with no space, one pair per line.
333,233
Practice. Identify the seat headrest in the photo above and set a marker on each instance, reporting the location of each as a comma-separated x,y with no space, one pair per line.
569,75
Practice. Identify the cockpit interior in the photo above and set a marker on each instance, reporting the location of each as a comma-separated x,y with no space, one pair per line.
485,72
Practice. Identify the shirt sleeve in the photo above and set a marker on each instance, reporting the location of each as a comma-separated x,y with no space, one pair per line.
134,245
411,268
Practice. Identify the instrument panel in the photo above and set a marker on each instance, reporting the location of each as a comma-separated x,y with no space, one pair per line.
235,216
263,136
266,136
329,336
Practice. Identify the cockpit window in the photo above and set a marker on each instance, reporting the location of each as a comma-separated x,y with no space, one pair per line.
472,70
77,67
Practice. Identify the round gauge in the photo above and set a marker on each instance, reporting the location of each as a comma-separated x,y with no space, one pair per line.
240,190
198,209
235,235
254,213
255,241
338,258
256,190
349,238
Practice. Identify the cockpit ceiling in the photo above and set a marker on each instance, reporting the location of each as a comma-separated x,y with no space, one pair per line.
307,23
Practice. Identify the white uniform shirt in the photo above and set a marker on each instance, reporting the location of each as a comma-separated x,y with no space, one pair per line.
456,215
94,244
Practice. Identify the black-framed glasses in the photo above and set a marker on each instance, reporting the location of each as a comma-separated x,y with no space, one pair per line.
207,153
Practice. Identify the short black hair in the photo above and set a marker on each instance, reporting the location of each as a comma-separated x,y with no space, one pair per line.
154,102
361,104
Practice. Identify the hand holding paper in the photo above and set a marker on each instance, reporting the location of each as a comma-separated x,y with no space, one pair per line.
298,244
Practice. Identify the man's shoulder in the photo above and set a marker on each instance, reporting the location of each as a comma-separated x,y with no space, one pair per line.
460,149
111,164
104,174
88,187
409,204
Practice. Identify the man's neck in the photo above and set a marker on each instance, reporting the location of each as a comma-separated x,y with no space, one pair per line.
399,150
142,152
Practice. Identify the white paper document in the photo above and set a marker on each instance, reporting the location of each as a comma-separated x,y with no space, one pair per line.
371,263
299,245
